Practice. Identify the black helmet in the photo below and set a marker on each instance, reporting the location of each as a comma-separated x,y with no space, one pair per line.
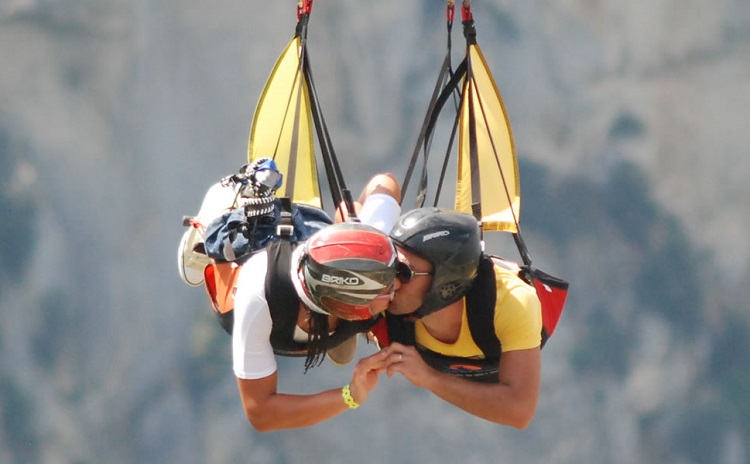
450,241
342,268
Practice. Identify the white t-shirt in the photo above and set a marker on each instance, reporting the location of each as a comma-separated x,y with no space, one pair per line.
252,354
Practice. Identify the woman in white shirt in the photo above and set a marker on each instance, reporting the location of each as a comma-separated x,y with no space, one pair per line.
342,276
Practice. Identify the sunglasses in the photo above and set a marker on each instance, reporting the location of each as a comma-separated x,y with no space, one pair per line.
404,273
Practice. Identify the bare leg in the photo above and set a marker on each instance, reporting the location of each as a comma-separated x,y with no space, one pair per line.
383,183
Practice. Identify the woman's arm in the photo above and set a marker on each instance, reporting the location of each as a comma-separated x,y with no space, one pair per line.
269,410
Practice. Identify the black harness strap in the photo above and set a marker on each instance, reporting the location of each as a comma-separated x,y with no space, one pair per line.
439,99
281,296
480,310
401,329
330,161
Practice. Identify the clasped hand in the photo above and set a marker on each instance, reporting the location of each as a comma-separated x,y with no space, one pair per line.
396,358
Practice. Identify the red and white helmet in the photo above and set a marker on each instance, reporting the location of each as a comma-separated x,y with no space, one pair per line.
342,268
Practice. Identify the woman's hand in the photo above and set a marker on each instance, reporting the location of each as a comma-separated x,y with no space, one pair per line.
365,376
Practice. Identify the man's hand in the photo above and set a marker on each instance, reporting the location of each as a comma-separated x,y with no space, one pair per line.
406,361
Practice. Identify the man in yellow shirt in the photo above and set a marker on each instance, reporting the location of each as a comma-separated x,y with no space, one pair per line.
448,295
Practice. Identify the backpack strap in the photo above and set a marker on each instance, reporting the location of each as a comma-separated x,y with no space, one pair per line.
480,309
401,329
283,302
285,228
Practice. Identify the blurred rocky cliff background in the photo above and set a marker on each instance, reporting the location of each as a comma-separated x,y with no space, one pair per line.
631,124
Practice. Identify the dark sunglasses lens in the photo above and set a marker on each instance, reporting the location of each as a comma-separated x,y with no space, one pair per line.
403,272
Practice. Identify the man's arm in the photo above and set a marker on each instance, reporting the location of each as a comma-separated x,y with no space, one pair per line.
511,402
268,410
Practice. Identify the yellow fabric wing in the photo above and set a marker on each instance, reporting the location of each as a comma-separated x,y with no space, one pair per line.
282,128
493,176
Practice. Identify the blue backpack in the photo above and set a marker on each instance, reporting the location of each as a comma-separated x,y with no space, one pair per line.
238,233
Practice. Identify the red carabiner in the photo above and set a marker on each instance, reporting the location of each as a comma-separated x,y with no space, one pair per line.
303,7
466,11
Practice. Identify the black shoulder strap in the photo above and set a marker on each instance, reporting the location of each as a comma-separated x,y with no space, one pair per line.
480,309
283,303
285,228
401,329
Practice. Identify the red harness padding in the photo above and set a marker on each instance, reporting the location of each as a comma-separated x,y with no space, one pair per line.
221,283
380,332
552,293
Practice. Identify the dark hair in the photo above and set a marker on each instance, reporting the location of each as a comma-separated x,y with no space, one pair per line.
317,339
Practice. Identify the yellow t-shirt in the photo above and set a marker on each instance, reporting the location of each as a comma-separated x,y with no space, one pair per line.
518,320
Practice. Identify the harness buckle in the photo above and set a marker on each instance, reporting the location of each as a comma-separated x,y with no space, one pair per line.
283,230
